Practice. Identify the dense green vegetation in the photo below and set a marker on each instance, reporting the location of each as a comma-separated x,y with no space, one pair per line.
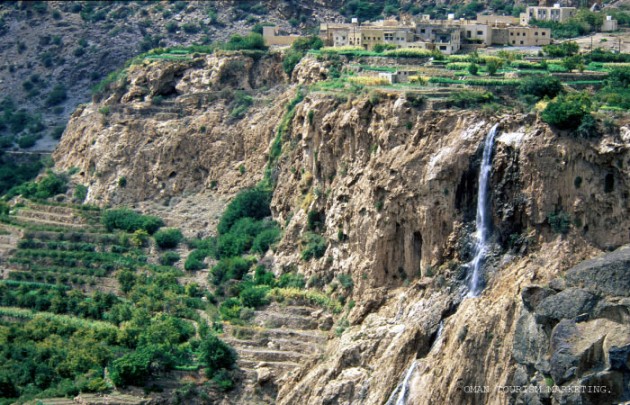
48,186
571,112
58,341
130,221
541,87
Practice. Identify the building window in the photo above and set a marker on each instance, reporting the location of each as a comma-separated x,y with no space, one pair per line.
479,32
536,33
511,34
521,42
543,33
513,42
422,31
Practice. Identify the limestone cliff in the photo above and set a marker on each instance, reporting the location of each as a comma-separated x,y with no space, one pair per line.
395,186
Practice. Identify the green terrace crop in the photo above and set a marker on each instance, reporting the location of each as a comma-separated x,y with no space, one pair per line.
102,304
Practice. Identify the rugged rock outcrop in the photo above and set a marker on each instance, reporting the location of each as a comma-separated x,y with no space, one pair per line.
395,187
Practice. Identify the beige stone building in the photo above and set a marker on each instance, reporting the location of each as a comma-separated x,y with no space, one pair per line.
367,36
271,37
446,36
609,24
521,36
555,13
497,20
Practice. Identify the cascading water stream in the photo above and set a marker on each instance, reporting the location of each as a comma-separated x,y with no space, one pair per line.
399,395
483,220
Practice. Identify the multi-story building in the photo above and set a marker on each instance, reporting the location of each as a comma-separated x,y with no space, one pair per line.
388,32
443,35
555,13
477,32
521,36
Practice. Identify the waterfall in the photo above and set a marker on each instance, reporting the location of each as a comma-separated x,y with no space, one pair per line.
484,219
399,395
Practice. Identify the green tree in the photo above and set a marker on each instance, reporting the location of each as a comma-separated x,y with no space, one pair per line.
540,87
168,238
567,48
216,355
126,280
566,112
253,203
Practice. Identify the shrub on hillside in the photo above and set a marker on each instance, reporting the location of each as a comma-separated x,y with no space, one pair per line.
265,240
566,112
168,238
130,221
540,87
169,258
195,260
255,296
233,268
298,50
469,98
216,355
56,96
230,309
251,41
560,222
253,203
313,246
291,280
49,186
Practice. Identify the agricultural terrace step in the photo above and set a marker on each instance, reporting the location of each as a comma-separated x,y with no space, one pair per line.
278,365
71,236
11,229
311,336
38,221
8,239
94,400
249,373
308,348
56,401
53,209
270,355
272,319
6,248
70,218
294,309
118,399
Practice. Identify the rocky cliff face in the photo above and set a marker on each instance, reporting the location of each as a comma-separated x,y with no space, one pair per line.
395,187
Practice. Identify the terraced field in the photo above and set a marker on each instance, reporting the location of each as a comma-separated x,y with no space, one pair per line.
279,340
59,264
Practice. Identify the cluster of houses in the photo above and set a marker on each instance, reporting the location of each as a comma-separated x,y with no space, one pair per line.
448,36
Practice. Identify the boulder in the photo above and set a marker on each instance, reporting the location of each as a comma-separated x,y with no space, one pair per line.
608,274
533,295
567,304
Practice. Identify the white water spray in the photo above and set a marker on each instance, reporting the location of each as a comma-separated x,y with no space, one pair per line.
399,396
483,220
400,393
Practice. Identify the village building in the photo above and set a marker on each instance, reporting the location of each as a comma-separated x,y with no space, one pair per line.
609,24
271,36
555,13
